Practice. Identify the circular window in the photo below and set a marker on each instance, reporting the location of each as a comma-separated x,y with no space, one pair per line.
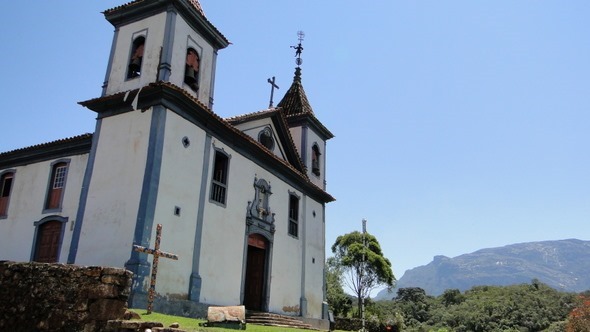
265,138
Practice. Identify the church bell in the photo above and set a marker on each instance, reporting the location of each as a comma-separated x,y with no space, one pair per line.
190,79
135,67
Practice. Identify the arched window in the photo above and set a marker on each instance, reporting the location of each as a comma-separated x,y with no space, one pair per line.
191,69
5,188
57,184
136,58
315,159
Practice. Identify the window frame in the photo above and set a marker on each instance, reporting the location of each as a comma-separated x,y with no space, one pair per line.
265,138
4,192
219,184
56,185
293,215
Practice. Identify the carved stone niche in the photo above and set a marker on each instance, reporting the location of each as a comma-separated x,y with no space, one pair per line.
259,213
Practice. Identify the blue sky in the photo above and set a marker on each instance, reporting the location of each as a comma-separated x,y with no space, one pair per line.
459,125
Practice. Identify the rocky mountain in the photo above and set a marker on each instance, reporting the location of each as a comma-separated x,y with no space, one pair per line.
563,265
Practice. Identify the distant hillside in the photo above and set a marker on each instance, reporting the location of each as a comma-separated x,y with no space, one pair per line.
563,265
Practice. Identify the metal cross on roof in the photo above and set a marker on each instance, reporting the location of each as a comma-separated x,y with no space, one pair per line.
272,89
157,253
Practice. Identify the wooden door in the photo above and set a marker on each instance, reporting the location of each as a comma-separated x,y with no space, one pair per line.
255,273
48,242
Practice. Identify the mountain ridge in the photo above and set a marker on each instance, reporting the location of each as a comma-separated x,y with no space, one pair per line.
561,264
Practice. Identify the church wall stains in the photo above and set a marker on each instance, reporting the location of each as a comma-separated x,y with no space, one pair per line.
294,310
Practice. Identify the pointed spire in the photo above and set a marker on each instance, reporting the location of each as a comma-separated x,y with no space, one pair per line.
295,101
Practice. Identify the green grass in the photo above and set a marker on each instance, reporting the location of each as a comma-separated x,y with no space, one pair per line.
192,324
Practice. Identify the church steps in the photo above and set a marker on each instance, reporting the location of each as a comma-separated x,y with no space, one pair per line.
271,319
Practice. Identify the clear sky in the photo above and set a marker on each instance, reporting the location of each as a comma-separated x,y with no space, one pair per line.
459,125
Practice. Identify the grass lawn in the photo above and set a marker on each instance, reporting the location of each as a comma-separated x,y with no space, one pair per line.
192,325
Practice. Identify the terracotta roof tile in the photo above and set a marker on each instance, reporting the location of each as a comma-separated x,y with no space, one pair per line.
193,3
295,101
49,144
302,175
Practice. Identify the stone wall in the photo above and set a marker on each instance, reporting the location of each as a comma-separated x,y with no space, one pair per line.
59,297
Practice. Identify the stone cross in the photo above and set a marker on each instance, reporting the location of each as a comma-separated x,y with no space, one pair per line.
157,253
272,89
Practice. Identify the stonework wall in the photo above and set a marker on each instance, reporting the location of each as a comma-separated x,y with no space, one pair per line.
58,297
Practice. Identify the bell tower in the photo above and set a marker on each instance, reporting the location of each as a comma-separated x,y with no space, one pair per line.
163,40
309,134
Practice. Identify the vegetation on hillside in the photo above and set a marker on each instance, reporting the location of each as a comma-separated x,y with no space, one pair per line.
524,307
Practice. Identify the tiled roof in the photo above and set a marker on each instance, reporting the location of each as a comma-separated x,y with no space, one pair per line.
62,148
250,116
286,133
193,3
94,105
297,108
295,101
197,5
61,141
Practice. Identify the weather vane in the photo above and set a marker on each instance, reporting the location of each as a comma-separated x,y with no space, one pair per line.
299,48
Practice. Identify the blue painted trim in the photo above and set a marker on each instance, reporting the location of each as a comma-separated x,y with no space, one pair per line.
38,223
165,66
84,195
303,237
137,262
194,291
304,147
212,85
105,84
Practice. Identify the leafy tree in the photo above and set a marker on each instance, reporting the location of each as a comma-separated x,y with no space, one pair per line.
452,296
414,304
524,308
339,301
361,259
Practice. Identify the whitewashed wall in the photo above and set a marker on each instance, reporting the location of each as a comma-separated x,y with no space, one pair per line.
27,199
153,27
114,191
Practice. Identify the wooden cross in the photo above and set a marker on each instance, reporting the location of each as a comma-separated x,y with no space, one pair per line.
157,253
272,89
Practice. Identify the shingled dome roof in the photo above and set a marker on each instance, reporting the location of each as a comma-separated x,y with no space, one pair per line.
295,101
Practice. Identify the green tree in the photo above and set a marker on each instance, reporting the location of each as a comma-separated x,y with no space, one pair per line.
452,296
365,268
414,304
339,301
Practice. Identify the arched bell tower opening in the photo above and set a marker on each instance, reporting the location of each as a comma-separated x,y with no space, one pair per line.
136,58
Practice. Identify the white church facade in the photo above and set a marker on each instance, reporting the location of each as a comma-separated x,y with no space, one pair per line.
241,200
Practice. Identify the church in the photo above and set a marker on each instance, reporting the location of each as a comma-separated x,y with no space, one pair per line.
240,200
